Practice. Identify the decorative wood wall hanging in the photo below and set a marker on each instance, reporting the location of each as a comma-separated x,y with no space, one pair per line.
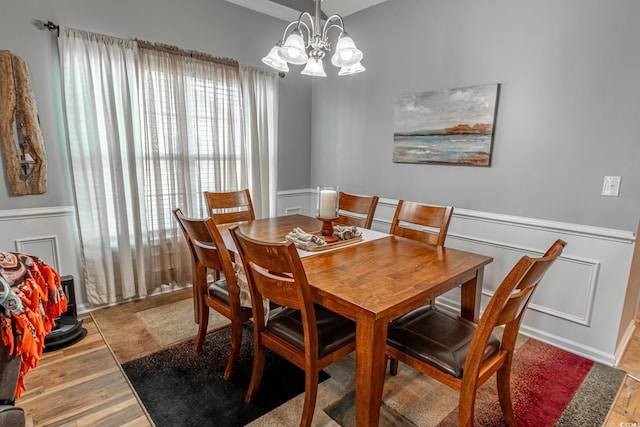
22,142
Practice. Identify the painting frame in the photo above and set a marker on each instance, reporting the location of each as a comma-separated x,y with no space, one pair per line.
446,126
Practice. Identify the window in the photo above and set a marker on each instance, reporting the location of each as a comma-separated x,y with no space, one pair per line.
194,142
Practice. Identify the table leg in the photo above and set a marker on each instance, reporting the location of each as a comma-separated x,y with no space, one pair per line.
471,295
371,339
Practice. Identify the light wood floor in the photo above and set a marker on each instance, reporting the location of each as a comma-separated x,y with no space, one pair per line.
627,406
82,385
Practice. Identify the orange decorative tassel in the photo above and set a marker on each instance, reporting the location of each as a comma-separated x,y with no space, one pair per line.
29,308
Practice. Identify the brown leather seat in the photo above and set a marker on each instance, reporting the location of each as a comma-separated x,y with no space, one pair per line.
356,210
334,331
209,254
230,206
447,349
220,290
309,336
464,355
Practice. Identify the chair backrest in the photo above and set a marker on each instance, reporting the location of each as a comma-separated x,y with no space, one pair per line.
507,305
230,206
436,218
189,227
274,271
207,247
350,204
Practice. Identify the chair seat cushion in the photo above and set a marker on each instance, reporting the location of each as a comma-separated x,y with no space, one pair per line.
334,330
436,337
219,290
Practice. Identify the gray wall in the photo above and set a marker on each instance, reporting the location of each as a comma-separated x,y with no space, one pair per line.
567,115
568,110
294,140
213,26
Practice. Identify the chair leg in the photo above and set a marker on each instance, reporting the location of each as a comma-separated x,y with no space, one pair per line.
256,374
393,366
310,397
504,394
196,305
203,323
234,353
466,407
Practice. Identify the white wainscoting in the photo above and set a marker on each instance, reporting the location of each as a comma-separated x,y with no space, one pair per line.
46,247
580,303
49,234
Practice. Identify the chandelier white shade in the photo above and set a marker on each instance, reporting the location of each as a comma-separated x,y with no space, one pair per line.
294,49
274,60
347,53
314,67
351,69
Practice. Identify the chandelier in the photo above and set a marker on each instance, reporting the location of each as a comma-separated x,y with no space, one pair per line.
294,48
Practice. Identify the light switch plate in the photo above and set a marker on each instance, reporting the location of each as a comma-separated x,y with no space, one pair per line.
611,186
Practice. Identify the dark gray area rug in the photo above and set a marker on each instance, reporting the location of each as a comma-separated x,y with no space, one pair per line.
179,387
594,398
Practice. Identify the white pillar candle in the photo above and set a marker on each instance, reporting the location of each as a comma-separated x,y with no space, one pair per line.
328,205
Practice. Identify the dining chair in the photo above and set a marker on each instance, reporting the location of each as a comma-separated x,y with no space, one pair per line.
356,210
308,335
230,206
210,255
463,355
410,220
177,213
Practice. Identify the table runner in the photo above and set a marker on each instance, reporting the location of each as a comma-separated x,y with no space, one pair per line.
367,236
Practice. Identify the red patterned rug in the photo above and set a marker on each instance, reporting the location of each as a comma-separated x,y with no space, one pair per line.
549,387
544,380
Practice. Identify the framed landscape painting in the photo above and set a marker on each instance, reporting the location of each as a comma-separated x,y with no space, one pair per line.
449,126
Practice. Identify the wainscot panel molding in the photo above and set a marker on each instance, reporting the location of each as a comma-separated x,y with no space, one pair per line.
49,212
48,233
291,202
579,306
46,246
566,228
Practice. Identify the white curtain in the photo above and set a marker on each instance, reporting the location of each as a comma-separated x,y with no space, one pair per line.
151,127
260,100
192,126
100,102
192,139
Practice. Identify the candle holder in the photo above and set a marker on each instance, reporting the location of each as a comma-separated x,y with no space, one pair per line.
327,230
327,210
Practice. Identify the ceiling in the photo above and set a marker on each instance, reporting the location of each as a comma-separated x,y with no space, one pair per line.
289,10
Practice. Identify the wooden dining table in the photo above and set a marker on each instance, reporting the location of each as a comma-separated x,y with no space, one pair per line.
373,282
